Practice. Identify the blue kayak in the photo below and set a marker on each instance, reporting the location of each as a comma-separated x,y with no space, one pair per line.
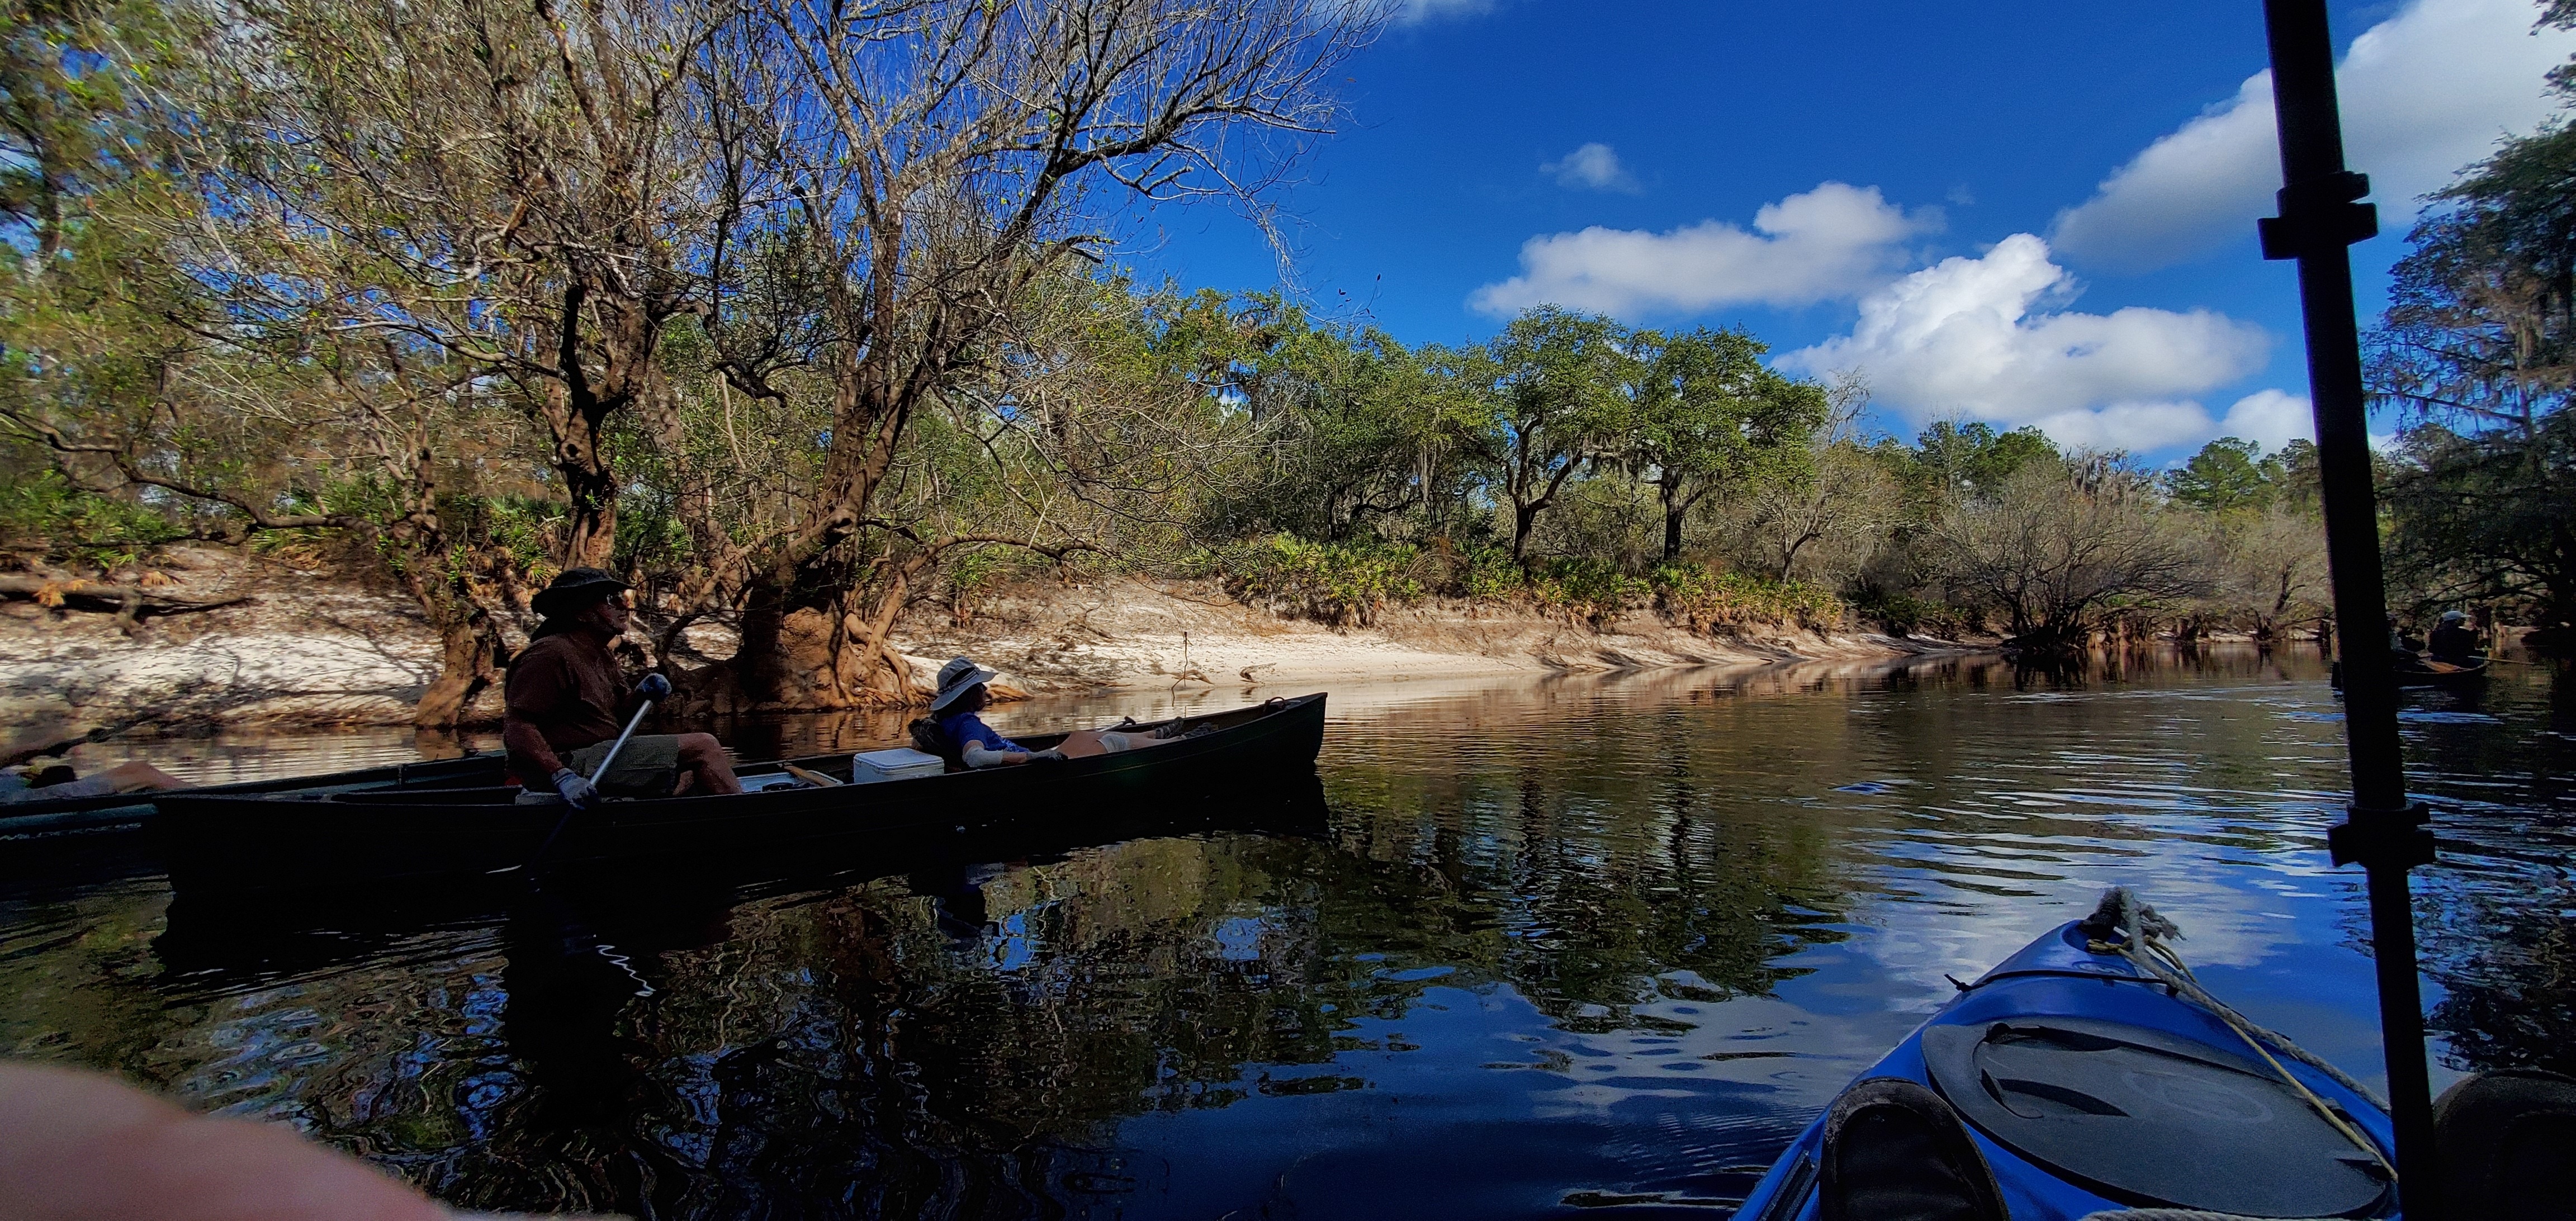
2089,1085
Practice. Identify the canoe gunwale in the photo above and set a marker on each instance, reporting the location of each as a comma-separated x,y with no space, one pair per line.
116,813
269,839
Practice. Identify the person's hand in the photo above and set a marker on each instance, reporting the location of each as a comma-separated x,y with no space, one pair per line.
1049,755
78,1144
654,687
579,793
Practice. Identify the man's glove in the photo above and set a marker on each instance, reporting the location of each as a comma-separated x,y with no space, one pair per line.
1049,755
579,793
654,687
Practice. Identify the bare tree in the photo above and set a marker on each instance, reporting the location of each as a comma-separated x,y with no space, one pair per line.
265,379
1840,495
912,169
354,439
2271,569
507,182
2054,553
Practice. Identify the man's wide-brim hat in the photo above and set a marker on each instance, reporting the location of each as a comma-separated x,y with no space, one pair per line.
957,678
575,589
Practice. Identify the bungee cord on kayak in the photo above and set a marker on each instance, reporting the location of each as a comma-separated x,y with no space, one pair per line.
2146,938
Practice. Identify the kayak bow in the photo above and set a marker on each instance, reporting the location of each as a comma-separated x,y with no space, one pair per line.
2089,1084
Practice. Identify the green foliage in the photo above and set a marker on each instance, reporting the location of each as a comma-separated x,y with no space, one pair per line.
1553,388
1348,427
1708,600
65,118
1484,572
1974,459
2478,327
2488,516
2479,346
41,511
1905,614
2226,474
528,533
1342,584
1709,416
1348,584
1587,588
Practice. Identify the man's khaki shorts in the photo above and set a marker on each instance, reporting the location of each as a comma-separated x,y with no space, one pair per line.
648,767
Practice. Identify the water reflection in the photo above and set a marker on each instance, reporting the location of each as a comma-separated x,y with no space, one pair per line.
1586,941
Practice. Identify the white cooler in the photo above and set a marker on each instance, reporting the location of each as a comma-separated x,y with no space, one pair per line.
901,763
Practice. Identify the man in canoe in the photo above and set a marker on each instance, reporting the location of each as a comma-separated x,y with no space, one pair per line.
953,732
565,702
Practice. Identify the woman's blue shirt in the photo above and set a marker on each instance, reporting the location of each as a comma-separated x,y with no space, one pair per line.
965,727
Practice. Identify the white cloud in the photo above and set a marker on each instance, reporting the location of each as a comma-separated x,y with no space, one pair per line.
1832,242
2424,93
1977,337
2270,418
2129,426
1415,12
1595,165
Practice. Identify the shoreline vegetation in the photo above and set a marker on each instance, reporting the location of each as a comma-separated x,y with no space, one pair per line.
306,650
820,337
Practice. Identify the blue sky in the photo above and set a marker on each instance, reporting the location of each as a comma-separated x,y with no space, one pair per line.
2020,213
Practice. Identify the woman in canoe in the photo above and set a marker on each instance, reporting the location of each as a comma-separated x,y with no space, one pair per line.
953,732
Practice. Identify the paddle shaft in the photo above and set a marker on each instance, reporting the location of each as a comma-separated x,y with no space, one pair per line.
2321,217
605,762
620,744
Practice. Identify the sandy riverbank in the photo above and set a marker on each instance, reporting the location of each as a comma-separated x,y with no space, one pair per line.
307,651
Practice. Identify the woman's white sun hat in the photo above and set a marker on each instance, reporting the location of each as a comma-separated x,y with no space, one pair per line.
956,678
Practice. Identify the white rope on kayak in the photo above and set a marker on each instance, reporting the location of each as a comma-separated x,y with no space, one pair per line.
2144,933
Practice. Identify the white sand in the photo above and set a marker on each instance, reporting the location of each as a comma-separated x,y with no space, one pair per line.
1133,635
299,652
308,652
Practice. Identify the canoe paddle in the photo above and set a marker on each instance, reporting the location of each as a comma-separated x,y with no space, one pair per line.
605,762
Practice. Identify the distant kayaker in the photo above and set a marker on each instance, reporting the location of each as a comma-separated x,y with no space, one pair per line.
962,736
565,702
2453,640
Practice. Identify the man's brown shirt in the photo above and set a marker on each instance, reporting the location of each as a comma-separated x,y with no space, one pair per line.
569,688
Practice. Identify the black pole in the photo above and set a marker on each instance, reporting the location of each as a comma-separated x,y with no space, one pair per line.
2319,221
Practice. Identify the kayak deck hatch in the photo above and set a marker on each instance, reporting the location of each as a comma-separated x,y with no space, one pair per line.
2089,1086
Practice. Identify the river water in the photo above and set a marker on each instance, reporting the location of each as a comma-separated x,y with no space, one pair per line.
1548,948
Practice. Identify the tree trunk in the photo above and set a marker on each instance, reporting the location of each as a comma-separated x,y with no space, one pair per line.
1789,550
800,655
757,671
591,540
578,408
472,651
1673,514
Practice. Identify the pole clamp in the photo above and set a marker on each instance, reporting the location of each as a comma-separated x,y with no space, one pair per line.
2318,216
2379,838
